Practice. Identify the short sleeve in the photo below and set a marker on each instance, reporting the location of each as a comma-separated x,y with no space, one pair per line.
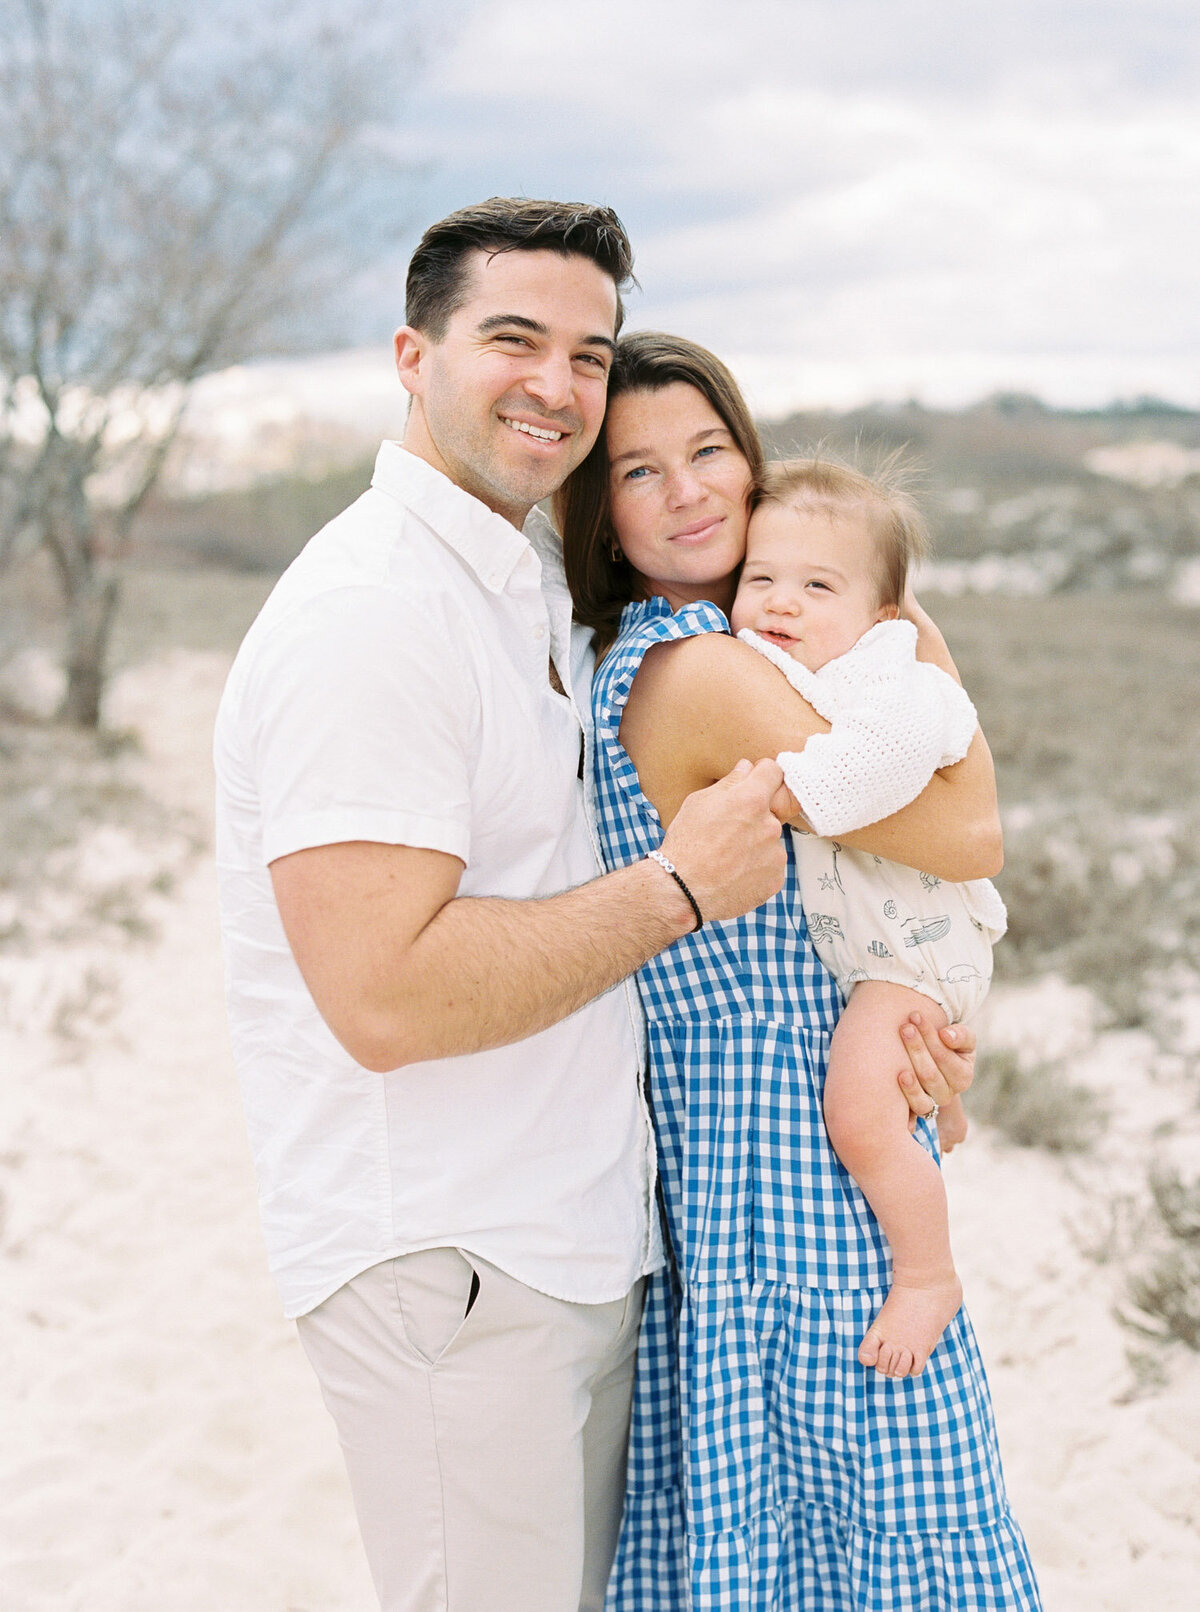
361,718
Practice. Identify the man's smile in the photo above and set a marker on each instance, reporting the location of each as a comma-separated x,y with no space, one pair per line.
540,433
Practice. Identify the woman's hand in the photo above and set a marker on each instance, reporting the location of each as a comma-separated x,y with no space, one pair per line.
931,646
942,1064
951,1126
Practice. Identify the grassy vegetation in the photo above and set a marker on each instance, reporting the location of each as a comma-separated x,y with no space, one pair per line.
164,606
1034,1107
205,608
1164,1285
259,528
1089,697
1089,703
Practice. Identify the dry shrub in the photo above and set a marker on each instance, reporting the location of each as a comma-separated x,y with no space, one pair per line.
1035,1107
1164,1286
1110,902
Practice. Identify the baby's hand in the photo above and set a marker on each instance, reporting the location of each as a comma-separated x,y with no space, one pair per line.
951,1125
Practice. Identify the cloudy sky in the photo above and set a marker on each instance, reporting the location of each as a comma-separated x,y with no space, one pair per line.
856,198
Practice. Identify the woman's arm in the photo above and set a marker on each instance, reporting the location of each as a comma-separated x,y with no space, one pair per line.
698,705
931,646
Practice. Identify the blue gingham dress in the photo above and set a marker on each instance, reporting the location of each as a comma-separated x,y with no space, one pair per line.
768,1470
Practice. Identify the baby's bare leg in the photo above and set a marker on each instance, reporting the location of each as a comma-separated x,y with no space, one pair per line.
866,1116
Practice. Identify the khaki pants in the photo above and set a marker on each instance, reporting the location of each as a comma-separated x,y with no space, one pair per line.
484,1427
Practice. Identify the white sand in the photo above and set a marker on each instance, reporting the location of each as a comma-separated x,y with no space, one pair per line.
164,1443
164,1446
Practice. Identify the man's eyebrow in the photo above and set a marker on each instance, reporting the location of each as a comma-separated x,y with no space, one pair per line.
502,321
646,453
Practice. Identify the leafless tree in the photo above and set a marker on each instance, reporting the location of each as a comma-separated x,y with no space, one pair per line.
178,190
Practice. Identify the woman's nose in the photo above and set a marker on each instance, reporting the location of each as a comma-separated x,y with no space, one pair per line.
684,486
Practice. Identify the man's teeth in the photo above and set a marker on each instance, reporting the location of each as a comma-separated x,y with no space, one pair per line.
534,431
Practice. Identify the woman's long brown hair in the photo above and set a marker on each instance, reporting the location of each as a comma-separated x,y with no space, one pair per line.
647,361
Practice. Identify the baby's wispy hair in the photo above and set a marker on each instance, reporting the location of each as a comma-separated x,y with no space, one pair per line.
883,497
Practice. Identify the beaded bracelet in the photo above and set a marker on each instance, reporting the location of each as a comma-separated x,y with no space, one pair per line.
669,867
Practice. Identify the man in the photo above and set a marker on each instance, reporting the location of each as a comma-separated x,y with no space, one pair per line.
439,1062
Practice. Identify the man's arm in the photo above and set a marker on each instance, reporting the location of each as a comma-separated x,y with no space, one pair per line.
402,969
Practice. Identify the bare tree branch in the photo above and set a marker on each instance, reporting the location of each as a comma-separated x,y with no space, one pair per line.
176,190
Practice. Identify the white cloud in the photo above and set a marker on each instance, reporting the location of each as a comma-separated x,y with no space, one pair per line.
933,198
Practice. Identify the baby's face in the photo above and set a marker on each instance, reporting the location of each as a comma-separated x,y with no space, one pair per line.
809,581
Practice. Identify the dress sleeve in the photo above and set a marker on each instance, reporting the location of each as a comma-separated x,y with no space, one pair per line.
361,724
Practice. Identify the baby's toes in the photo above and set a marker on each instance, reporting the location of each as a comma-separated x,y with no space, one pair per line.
889,1361
868,1349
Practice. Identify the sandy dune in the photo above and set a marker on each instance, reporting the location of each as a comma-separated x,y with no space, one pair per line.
164,1445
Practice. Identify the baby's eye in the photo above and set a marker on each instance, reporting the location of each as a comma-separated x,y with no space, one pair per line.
815,584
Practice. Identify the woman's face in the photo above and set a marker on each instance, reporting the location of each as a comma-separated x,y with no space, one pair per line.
678,484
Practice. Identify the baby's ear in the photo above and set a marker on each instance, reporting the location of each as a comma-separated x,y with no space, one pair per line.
887,612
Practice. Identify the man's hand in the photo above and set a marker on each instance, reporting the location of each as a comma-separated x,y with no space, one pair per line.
942,1063
726,841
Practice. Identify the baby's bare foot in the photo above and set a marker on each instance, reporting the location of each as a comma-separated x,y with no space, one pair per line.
906,1331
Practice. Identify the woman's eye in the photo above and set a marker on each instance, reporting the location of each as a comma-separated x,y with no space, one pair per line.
637,473
712,447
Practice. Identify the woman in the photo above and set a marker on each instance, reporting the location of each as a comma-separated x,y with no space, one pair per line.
768,1468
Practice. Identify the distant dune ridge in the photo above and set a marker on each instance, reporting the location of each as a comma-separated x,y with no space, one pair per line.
1026,500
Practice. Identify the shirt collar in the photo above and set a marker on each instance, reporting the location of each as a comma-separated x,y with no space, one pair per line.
547,545
485,541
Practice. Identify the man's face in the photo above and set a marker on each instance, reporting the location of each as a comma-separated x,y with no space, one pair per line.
509,401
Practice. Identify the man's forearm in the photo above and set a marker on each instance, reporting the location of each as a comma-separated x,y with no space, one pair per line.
402,969
487,972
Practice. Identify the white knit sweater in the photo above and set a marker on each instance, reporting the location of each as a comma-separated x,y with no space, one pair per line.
895,721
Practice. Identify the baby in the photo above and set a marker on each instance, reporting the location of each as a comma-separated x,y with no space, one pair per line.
820,595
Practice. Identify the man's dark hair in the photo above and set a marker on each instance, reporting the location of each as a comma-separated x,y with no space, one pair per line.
437,274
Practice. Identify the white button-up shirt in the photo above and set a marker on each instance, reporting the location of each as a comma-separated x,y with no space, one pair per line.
395,688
